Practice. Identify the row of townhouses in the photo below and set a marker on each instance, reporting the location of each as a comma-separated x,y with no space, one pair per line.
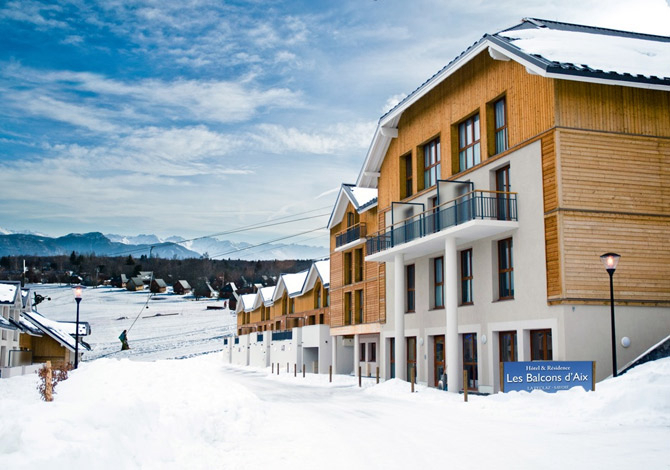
473,232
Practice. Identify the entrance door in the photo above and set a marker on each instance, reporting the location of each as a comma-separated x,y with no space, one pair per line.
438,357
470,359
507,344
411,358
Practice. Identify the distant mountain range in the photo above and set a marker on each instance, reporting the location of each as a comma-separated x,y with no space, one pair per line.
25,243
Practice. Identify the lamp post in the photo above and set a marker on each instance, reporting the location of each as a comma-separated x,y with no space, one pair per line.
77,297
610,260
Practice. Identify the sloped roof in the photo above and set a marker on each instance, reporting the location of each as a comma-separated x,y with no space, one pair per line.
53,329
6,324
550,49
246,303
8,291
318,270
291,283
160,282
361,198
184,284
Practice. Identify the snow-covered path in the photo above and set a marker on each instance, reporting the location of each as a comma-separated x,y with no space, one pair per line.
199,413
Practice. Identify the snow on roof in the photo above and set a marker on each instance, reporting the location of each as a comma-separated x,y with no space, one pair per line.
29,327
267,293
609,53
53,329
294,282
8,292
5,324
246,302
323,267
363,196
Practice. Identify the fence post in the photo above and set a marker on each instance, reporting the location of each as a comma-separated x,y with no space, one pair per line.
465,385
295,370
377,374
502,378
277,368
330,373
287,369
593,377
359,376
273,368
303,371
48,392
411,374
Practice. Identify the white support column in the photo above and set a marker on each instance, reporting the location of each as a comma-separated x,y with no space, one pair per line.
454,367
399,316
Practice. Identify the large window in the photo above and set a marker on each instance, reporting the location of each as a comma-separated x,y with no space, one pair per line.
500,125
407,177
360,306
438,282
466,277
348,268
358,261
505,270
431,163
540,345
468,143
410,283
507,346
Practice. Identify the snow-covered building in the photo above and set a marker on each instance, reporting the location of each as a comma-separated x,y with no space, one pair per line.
357,289
286,323
500,181
10,312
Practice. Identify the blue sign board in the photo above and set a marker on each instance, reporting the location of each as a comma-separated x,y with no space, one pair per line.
550,376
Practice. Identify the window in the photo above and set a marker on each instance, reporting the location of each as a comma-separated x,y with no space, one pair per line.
292,306
505,270
431,163
466,277
327,303
317,301
468,143
438,282
500,125
507,346
410,284
348,308
358,259
359,305
361,356
504,209
348,268
391,358
407,176
351,219
540,345
373,352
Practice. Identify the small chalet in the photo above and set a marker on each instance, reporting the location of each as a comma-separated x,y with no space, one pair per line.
181,287
120,281
135,284
158,286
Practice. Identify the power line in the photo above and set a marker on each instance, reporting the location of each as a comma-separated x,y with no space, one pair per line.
267,243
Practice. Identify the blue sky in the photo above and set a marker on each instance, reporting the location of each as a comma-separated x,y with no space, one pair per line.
194,117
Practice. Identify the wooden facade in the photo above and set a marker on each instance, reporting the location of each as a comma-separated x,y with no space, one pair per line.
606,171
351,276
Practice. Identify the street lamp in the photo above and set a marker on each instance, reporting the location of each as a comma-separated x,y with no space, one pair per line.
77,296
610,260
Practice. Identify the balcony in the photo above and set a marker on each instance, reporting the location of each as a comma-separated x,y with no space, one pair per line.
475,215
350,235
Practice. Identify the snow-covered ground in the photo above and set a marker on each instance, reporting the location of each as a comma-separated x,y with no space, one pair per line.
165,327
199,413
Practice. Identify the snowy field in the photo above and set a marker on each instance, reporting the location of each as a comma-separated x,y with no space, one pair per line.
198,413
166,327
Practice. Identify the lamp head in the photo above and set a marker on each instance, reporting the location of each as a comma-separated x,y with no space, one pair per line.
610,261
78,292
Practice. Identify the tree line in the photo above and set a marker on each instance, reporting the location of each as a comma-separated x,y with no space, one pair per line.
96,270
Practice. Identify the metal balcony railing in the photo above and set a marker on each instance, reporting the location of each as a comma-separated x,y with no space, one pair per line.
353,233
478,204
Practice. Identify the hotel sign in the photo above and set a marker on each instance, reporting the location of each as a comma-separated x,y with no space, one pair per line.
550,376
